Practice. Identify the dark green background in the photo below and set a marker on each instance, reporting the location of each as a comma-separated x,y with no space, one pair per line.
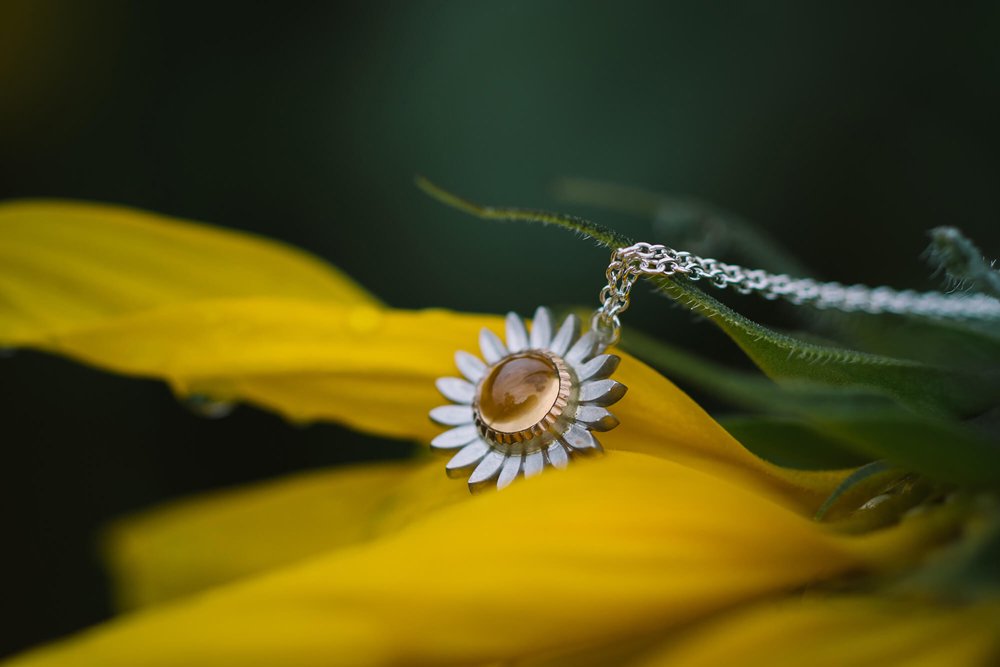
846,130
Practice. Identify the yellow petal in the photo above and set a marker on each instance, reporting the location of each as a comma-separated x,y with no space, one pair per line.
202,542
66,264
658,418
861,632
374,369
611,548
73,276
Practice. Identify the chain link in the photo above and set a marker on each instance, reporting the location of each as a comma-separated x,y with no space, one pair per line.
614,299
646,259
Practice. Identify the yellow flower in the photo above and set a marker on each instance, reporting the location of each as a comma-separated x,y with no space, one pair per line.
679,547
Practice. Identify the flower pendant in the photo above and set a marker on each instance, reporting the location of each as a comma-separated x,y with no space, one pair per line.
534,401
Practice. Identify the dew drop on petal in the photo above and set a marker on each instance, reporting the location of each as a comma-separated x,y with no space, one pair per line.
208,407
364,319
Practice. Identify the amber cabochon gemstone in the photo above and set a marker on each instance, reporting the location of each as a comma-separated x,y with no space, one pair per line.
518,393
521,395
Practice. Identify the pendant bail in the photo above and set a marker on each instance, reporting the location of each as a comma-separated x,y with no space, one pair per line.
614,299
607,328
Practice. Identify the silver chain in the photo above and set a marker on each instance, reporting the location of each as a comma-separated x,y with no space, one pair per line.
647,259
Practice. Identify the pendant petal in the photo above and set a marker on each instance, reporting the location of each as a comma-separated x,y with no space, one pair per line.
517,335
455,438
452,415
469,456
557,456
510,471
582,349
492,347
541,329
596,417
601,392
601,366
469,365
581,439
534,463
456,389
567,333
487,468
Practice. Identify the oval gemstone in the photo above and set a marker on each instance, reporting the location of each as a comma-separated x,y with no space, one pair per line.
518,393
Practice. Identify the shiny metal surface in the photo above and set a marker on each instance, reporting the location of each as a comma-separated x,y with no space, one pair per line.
647,259
532,404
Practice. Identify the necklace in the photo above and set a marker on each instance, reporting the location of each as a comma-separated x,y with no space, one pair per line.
627,264
537,399
529,403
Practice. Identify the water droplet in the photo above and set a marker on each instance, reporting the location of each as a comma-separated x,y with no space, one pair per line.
208,407
876,501
364,319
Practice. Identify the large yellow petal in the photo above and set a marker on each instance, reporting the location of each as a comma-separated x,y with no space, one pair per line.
861,632
65,264
374,369
223,536
660,419
79,279
611,548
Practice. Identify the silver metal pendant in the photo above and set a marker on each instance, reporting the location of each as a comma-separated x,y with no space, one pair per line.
534,401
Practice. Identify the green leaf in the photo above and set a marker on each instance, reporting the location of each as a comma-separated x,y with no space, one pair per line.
952,343
588,229
935,448
791,442
864,421
925,387
969,569
962,262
